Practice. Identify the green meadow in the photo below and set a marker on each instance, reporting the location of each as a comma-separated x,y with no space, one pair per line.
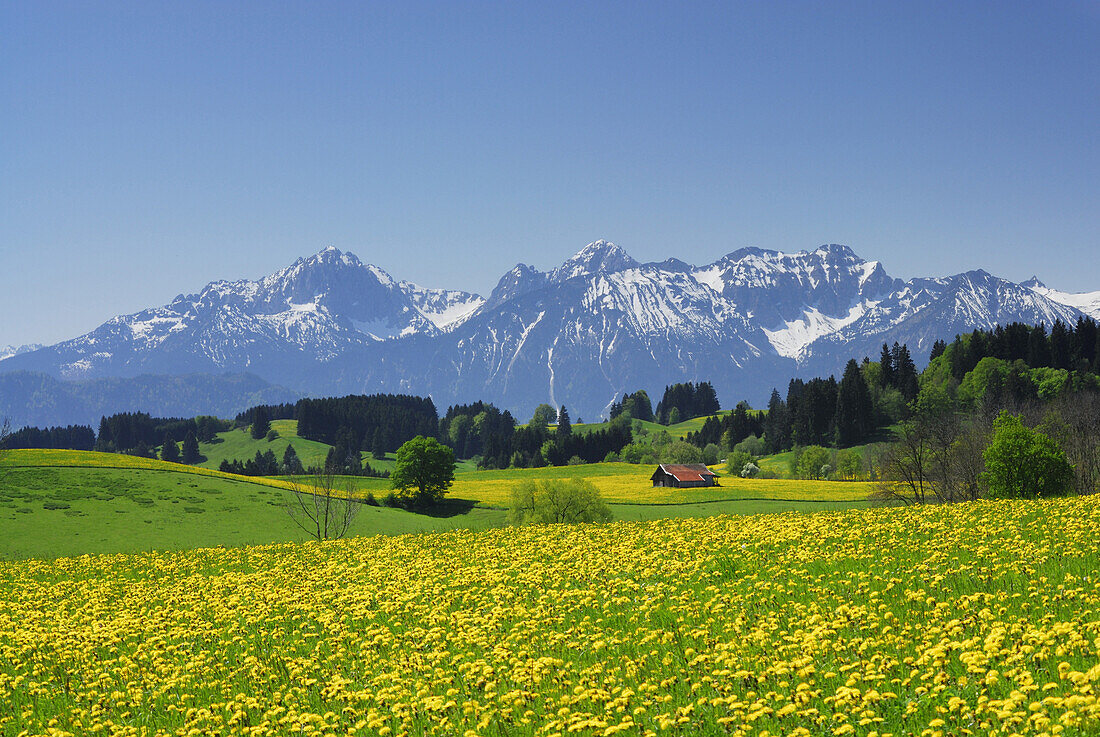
64,503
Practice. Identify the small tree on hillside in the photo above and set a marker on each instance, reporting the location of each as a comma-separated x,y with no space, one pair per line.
565,428
544,415
1021,463
291,465
321,506
191,454
169,451
260,423
424,471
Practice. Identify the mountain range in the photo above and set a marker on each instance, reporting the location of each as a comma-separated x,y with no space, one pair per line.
581,334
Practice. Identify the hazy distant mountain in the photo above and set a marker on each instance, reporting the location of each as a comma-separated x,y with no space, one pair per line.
8,351
28,398
582,334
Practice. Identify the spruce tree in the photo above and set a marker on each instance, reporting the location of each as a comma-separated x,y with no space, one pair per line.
887,362
853,408
777,424
260,423
905,374
1061,346
1038,347
169,451
378,445
565,428
291,463
191,454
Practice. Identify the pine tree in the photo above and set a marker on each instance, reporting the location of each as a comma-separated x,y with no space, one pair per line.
191,454
938,349
777,424
853,408
1061,346
104,441
169,451
1084,342
887,362
565,428
291,463
378,445
260,423
1038,347
905,374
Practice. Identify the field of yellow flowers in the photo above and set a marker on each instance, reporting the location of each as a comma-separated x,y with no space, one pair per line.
977,619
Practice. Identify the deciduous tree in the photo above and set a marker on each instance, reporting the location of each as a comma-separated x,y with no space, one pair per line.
424,471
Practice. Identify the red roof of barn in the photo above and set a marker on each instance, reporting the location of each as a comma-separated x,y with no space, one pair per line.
687,471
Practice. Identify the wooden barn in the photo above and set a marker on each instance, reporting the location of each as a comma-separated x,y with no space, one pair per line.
684,475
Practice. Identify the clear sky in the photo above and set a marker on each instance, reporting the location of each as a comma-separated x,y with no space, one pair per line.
150,147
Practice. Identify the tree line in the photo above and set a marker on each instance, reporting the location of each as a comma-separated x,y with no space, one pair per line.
683,401
70,437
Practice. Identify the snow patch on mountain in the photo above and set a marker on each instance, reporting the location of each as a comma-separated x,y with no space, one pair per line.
795,336
1087,302
9,351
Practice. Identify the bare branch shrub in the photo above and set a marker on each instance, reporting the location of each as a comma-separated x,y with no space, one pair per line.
322,504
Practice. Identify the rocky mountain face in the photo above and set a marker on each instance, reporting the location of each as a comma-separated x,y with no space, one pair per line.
582,334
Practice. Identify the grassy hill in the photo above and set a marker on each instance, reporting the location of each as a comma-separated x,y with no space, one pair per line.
56,502
679,430
238,444
49,510
976,618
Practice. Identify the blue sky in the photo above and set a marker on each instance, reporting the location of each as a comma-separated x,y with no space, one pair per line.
148,148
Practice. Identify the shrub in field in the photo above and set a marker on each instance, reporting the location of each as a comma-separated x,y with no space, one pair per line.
557,500
752,445
811,462
737,461
849,464
679,451
1021,463
750,470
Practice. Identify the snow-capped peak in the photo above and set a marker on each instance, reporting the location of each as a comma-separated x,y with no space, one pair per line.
597,257
1087,302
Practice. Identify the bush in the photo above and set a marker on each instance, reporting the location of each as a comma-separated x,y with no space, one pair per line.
752,445
557,501
272,434
710,454
370,500
575,461
1021,463
812,461
679,451
737,461
750,471
849,464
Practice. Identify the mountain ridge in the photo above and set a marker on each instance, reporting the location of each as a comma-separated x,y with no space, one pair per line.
581,334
